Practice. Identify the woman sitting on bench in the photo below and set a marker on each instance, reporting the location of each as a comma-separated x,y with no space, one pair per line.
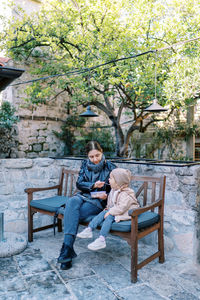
93,177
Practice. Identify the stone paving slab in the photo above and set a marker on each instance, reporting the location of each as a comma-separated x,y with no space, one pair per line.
47,285
139,292
114,274
10,277
31,263
35,274
91,288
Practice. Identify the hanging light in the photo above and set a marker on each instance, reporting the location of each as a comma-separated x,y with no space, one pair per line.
88,113
155,107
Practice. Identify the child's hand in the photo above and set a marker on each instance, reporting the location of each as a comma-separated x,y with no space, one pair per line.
106,215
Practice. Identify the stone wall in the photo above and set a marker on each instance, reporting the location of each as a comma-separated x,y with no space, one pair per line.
182,194
35,137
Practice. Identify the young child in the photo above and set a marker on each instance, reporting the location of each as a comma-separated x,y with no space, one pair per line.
120,200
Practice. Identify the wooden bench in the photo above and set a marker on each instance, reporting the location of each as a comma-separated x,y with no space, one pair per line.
144,220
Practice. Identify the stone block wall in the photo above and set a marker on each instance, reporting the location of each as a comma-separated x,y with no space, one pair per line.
181,199
35,137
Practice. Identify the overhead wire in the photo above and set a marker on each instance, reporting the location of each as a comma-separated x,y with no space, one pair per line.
81,71
85,70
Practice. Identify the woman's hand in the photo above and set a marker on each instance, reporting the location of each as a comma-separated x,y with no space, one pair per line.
106,215
99,184
102,196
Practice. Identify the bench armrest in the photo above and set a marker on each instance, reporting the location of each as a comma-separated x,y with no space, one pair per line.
140,210
33,190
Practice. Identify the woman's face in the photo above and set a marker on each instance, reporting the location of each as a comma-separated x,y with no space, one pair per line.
95,156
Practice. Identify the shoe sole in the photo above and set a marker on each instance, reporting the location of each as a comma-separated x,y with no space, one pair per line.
64,260
95,249
74,255
66,267
84,237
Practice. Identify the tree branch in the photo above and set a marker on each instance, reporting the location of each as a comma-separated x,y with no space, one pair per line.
59,93
22,44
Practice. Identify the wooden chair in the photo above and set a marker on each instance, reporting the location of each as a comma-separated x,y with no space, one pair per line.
49,205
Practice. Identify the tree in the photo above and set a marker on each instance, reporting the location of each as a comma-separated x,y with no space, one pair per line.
77,35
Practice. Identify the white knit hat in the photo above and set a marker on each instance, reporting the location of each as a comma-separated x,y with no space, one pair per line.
121,176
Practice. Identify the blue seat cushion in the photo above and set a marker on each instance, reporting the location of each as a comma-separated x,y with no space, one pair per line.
146,219
49,204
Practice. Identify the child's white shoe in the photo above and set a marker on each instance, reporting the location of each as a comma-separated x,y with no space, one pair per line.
86,233
99,243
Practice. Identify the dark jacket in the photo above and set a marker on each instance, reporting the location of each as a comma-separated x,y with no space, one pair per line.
85,185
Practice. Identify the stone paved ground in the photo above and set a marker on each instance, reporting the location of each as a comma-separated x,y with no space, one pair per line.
34,274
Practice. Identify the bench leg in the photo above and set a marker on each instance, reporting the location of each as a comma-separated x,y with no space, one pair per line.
133,266
134,251
161,246
59,225
30,226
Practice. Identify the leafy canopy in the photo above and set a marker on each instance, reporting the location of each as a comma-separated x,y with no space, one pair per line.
66,36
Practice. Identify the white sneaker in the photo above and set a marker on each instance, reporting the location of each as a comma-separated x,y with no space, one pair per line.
85,234
97,244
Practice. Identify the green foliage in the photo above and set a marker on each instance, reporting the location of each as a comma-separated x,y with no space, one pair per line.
177,130
7,117
65,36
167,138
75,135
68,133
101,135
8,142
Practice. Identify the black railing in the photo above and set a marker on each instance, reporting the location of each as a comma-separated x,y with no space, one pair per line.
139,161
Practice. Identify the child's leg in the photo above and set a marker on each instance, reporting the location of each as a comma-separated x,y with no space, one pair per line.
87,232
97,220
106,226
100,242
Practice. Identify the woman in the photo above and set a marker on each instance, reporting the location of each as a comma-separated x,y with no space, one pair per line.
93,177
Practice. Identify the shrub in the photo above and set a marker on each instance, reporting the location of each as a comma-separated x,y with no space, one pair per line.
7,130
75,135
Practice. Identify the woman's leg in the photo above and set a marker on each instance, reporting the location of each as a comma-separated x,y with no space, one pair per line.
76,209
106,226
71,221
88,209
72,215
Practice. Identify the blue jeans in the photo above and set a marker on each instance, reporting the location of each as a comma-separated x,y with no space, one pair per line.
106,225
76,209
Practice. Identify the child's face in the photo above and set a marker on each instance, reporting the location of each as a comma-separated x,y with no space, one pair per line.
112,182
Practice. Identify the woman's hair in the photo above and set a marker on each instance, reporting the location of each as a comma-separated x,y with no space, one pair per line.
93,145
